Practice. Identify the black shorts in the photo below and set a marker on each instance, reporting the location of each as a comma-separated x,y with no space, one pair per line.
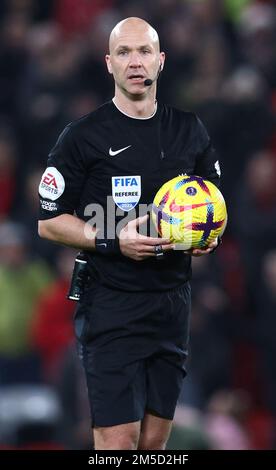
134,347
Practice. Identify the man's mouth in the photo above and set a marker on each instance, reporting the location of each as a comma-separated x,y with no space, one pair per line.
136,77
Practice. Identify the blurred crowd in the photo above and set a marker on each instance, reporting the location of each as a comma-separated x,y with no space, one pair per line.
221,64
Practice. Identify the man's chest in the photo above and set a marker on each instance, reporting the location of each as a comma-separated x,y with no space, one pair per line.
132,163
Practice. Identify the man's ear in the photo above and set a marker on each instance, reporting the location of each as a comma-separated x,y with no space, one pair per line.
162,61
108,63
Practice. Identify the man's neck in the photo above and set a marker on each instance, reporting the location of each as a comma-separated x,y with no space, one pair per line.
143,108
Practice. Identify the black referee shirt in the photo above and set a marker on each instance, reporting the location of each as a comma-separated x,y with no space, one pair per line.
109,156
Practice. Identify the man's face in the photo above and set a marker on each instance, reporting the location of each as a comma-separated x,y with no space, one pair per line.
134,57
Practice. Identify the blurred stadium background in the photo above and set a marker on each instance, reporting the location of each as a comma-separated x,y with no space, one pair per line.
221,63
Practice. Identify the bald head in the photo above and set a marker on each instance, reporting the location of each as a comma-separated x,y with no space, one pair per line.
133,25
134,57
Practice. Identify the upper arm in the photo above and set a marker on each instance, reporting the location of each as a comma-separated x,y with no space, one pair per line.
62,182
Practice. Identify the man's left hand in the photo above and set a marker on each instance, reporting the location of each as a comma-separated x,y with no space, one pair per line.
204,251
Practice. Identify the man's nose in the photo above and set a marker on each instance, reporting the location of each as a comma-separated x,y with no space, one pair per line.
135,60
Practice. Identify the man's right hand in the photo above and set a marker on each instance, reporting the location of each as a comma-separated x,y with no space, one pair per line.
137,246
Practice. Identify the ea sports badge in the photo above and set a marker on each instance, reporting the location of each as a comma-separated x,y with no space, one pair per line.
52,184
126,191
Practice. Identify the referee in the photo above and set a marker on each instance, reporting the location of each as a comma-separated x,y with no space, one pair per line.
133,319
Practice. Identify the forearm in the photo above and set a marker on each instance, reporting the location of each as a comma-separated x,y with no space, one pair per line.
68,230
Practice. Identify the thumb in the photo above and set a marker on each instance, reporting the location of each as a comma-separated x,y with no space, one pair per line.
141,220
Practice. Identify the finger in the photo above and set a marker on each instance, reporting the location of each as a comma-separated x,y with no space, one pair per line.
154,240
212,245
198,252
142,256
148,254
151,249
143,241
168,247
140,220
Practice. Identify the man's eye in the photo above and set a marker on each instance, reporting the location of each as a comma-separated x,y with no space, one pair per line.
145,51
123,53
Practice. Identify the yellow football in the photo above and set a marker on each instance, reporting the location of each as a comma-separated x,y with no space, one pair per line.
190,211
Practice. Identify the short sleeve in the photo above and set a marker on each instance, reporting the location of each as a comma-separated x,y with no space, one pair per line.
62,182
